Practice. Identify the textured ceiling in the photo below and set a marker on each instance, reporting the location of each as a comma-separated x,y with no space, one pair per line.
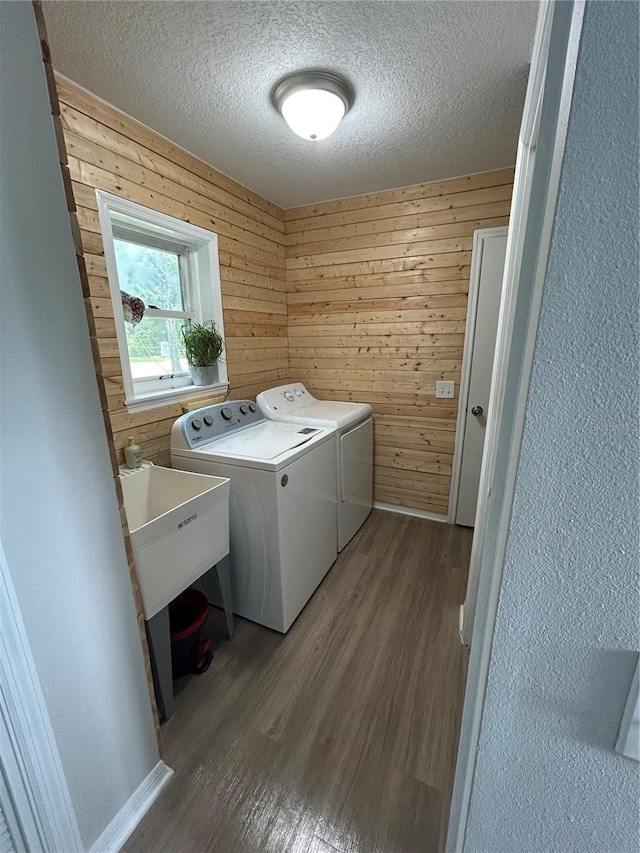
439,85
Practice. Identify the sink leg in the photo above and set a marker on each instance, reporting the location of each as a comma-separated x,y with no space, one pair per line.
159,638
208,584
224,579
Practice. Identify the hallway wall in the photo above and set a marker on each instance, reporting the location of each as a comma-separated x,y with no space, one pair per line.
59,521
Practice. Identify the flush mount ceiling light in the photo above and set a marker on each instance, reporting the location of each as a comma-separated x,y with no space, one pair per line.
313,102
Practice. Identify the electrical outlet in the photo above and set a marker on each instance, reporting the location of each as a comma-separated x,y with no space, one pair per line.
444,389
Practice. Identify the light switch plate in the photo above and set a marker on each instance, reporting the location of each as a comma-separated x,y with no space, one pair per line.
444,389
628,742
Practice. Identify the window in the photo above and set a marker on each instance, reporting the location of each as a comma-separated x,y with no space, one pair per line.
172,267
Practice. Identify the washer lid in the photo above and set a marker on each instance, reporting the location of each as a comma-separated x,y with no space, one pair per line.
264,441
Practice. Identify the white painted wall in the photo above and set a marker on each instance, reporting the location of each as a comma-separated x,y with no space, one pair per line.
547,778
59,522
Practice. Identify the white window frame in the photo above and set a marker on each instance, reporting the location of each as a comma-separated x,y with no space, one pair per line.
200,273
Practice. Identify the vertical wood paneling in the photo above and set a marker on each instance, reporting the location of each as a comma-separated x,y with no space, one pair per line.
107,150
377,301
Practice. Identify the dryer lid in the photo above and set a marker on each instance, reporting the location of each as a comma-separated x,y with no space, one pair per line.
294,404
328,413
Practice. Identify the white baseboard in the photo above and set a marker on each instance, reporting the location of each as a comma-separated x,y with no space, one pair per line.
116,833
404,510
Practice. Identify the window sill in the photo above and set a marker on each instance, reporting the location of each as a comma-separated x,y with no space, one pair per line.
158,399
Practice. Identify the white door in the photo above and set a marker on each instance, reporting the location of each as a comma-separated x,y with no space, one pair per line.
487,267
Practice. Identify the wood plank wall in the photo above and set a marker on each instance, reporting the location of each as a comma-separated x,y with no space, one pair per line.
370,303
377,299
107,150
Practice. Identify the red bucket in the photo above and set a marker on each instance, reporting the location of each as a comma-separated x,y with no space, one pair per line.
187,615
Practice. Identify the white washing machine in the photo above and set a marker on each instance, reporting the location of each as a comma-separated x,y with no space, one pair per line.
282,504
353,423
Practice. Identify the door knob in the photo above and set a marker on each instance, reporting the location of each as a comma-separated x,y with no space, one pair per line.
477,410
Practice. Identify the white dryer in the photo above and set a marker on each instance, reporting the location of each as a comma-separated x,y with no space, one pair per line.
354,425
282,504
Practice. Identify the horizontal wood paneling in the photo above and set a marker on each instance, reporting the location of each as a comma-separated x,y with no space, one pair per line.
377,291
153,143
106,149
361,298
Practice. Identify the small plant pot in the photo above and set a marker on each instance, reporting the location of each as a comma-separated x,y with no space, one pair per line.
207,375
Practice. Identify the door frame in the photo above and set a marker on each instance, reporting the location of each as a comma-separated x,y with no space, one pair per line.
549,96
479,237
30,759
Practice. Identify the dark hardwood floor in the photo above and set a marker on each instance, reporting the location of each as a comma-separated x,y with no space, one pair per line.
341,735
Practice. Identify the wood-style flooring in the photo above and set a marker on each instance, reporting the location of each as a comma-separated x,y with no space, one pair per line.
340,735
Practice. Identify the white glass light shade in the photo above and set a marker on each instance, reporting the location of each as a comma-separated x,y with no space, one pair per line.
313,102
313,113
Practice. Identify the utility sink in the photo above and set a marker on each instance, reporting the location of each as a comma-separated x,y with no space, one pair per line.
179,528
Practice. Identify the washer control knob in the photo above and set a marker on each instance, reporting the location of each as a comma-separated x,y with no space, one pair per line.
288,396
196,423
226,413
243,410
253,407
298,392
208,420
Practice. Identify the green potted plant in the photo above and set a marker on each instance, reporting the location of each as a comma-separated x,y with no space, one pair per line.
203,346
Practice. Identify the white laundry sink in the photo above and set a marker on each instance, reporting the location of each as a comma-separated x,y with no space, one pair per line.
179,528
